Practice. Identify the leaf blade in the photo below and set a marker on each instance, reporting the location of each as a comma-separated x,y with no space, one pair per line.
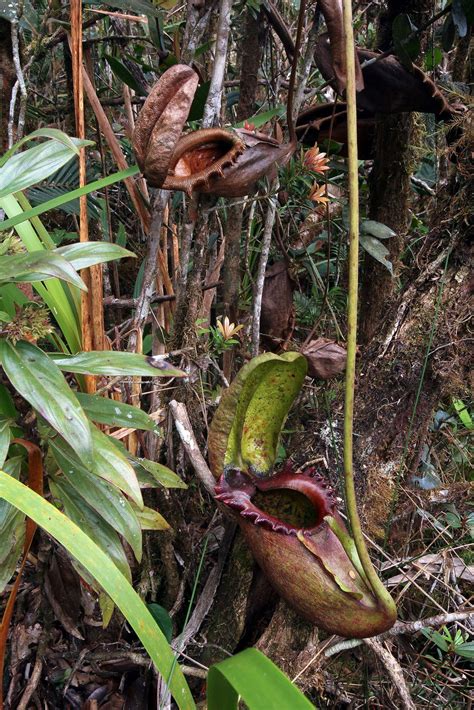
35,376
259,682
107,575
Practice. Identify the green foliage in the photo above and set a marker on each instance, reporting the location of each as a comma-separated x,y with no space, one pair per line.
406,41
36,164
68,197
447,644
60,184
91,477
252,677
248,675
107,575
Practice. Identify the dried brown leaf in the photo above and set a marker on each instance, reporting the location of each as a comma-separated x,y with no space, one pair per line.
277,316
161,120
333,16
325,358
62,587
388,86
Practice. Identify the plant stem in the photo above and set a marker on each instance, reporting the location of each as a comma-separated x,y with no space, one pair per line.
377,587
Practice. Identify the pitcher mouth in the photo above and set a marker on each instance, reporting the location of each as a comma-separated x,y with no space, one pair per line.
236,489
202,156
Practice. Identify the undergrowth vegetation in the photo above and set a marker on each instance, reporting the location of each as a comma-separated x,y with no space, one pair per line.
176,214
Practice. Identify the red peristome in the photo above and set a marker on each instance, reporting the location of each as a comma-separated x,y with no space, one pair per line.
235,489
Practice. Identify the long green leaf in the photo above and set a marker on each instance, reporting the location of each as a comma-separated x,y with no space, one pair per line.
98,362
124,74
35,376
91,523
84,254
35,164
12,529
107,575
158,474
259,119
141,7
38,266
258,682
108,411
52,133
107,500
73,195
112,465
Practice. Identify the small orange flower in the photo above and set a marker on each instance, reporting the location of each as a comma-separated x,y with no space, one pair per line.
228,329
318,194
249,126
316,161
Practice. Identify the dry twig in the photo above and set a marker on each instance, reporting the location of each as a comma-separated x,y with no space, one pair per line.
394,670
185,431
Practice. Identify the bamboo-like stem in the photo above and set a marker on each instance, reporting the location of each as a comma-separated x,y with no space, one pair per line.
377,587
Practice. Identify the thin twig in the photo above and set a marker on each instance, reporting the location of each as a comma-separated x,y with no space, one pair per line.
402,627
194,29
208,594
186,434
262,266
21,84
148,283
307,63
394,670
32,683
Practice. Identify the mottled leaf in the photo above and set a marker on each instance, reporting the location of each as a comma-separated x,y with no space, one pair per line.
247,425
377,229
377,250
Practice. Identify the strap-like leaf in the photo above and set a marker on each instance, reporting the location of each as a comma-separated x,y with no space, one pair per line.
108,411
91,523
105,499
114,363
83,254
36,377
35,164
107,575
256,680
112,465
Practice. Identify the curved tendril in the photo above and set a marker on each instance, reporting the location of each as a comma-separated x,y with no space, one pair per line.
377,586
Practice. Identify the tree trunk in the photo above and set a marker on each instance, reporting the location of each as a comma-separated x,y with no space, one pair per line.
7,79
390,192
422,356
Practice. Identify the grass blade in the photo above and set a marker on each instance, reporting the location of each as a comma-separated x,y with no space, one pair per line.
107,575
